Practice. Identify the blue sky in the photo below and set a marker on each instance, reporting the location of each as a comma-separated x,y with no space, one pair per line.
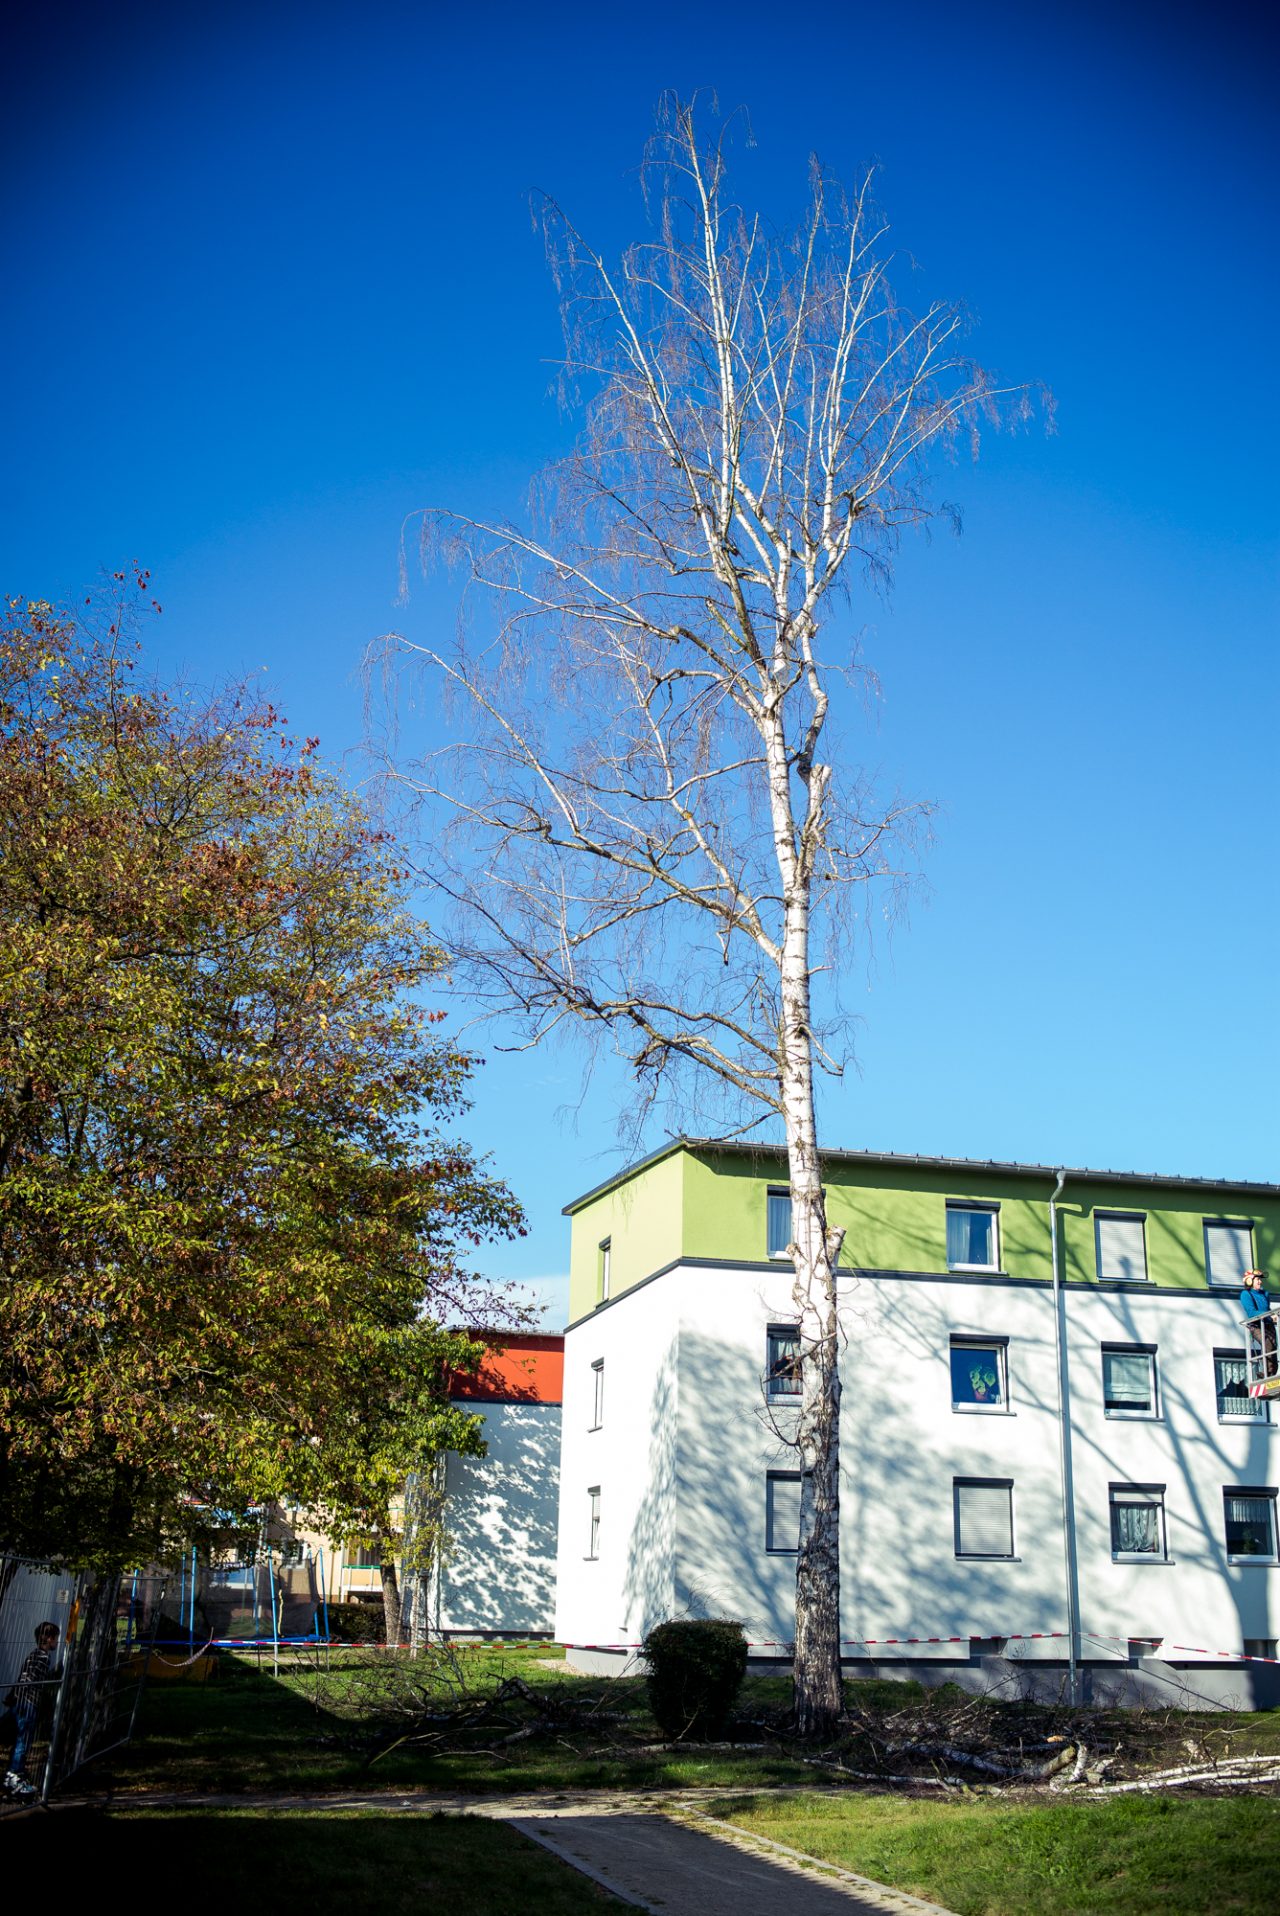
272,285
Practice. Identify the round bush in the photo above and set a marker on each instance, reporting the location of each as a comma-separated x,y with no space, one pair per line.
357,1623
696,1667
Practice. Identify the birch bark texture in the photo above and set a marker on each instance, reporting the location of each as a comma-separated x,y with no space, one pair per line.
652,819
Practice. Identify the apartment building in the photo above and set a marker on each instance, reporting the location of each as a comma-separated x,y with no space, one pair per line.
1049,1452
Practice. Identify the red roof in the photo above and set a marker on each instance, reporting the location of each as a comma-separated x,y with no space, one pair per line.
520,1368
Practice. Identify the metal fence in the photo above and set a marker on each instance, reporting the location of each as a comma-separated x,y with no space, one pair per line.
73,1657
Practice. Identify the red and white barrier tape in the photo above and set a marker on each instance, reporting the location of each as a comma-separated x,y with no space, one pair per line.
1005,1636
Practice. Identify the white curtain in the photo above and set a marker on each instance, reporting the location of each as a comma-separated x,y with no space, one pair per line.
1135,1528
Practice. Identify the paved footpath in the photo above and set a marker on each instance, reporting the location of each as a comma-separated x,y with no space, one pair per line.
690,1864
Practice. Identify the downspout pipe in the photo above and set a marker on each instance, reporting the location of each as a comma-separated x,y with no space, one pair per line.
1064,1453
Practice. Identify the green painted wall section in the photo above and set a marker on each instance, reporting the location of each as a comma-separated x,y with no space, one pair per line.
704,1204
643,1217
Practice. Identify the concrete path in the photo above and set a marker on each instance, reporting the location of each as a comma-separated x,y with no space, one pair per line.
685,1863
674,1869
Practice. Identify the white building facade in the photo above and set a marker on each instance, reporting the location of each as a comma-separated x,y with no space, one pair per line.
1044,1465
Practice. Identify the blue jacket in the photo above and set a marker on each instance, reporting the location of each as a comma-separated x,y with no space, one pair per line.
1254,1303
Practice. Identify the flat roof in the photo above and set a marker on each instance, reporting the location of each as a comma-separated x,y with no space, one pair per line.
737,1147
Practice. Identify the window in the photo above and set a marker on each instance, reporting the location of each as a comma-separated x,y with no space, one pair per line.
1251,1525
1137,1523
983,1516
782,1511
593,1527
978,1374
603,1273
782,1362
1231,1382
597,1385
292,1553
363,1559
1228,1252
1261,1647
971,1237
1121,1243
779,1222
1129,1380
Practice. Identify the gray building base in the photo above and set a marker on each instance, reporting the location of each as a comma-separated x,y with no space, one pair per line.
1144,1683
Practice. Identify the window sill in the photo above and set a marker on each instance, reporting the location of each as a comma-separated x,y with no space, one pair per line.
960,1559
983,1410
978,1270
1133,1416
1249,1423
1136,1558
1254,1563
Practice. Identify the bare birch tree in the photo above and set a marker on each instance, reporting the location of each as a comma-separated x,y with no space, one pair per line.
656,828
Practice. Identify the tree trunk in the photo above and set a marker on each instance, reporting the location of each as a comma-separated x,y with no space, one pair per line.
816,1251
391,1602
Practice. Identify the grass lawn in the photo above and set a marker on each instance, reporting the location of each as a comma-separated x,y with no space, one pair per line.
1133,1855
335,1728
247,1731
398,1865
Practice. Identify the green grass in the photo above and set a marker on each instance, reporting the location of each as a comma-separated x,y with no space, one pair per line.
246,1731
1130,1856
301,1860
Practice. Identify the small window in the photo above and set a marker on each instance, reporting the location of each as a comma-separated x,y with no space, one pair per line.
1129,1380
971,1237
365,1558
1264,1647
983,1516
779,1222
593,1525
782,1511
1137,1523
597,1387
1121,1242
1231,1383
978,1374
292,1553
1228,1252
603,1271
782,1362
1250,1517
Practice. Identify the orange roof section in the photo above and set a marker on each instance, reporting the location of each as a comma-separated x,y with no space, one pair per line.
522,1368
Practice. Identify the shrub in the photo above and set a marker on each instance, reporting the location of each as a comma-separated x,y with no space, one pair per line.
357,1623
696,1667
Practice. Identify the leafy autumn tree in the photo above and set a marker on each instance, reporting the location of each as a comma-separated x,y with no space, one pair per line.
230,1228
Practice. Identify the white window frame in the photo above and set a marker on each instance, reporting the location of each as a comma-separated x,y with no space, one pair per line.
1153,1416
783,1192
1232,1224
1145,1494
965,1340
983,1556
776,1391
993,1212
597,1387
604,1268
1261,1493
593,1524
1256,1419
1120,1217
773,1549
